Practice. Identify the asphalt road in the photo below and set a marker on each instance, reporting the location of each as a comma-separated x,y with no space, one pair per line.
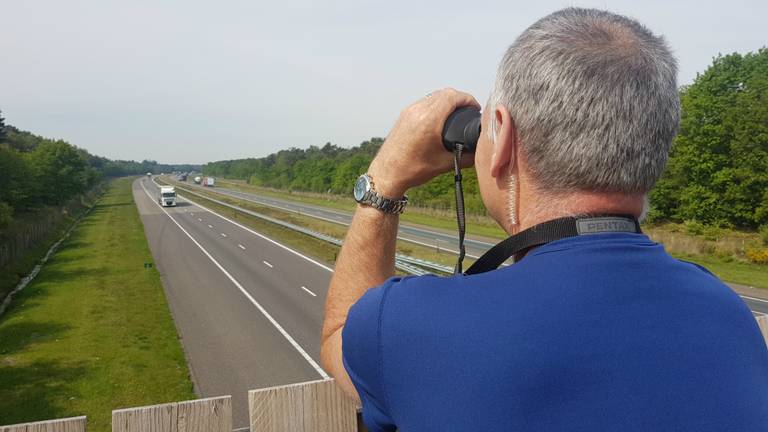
248,311
418,235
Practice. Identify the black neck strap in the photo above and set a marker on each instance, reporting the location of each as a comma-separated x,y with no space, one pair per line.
550,231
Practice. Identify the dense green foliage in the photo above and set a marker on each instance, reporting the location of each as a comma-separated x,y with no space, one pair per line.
332,169
718,170
36,171
717,173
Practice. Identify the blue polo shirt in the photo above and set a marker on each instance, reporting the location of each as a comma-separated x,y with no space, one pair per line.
603,332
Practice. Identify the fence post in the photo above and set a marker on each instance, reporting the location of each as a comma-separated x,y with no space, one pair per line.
73,424
201,415
318,406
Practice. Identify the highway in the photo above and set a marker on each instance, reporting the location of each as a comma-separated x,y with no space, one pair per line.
414,234
418,235
248,309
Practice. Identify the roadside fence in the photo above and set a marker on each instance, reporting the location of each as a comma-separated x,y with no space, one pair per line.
23,234
318,406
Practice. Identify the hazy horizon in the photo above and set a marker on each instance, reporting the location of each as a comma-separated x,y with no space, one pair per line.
194,82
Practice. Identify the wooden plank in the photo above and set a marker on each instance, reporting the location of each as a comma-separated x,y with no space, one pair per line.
318,406
762,322
73,424
201,415
205,415
154,418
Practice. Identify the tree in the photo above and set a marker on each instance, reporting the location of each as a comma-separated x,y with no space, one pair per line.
2,127
59,171
718,169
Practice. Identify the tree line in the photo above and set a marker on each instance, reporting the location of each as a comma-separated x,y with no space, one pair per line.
717,173
37,172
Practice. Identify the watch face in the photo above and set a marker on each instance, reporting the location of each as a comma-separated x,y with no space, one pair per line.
361,187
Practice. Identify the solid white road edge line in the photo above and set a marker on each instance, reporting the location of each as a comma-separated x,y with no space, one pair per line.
261,309
310,292
755,299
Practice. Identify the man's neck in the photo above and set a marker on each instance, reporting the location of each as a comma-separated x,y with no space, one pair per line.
538,209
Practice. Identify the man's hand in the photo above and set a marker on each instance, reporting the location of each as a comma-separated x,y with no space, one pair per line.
413,153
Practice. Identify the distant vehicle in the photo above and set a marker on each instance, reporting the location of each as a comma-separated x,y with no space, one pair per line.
167,196
197,180
149,174
209,181
182,177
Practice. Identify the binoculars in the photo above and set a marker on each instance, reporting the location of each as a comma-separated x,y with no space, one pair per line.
462,127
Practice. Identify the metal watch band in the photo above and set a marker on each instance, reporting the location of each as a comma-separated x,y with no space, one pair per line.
385,205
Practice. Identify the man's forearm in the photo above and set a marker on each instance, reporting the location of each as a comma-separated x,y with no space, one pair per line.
367,259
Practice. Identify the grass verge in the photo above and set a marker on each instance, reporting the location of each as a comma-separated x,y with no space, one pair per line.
743,273
441,219
93,331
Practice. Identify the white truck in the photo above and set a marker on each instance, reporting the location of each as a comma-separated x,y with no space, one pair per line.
198,180
167,197
209,181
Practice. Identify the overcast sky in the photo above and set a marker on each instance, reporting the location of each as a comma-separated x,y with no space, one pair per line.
190,81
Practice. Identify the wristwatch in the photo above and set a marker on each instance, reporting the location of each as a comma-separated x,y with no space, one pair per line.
364,194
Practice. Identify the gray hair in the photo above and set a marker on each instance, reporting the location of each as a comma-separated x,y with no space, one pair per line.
595,101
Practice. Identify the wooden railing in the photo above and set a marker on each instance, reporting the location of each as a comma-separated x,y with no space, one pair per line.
317,406
312,406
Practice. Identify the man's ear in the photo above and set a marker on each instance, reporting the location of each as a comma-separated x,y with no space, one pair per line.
505,144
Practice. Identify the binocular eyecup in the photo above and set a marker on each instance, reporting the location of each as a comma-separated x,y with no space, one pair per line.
462,127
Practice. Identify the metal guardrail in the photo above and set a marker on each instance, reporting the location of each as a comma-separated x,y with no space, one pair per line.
408,264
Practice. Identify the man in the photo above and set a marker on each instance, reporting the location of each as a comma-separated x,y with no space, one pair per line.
600,331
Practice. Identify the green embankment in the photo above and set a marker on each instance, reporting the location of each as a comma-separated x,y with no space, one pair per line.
93,331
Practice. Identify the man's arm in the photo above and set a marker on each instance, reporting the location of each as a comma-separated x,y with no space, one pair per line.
412,155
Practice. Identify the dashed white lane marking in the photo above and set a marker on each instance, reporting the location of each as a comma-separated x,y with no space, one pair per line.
210,226
199,219
245,228
241,246
261,309
223,235
268,264
310,292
